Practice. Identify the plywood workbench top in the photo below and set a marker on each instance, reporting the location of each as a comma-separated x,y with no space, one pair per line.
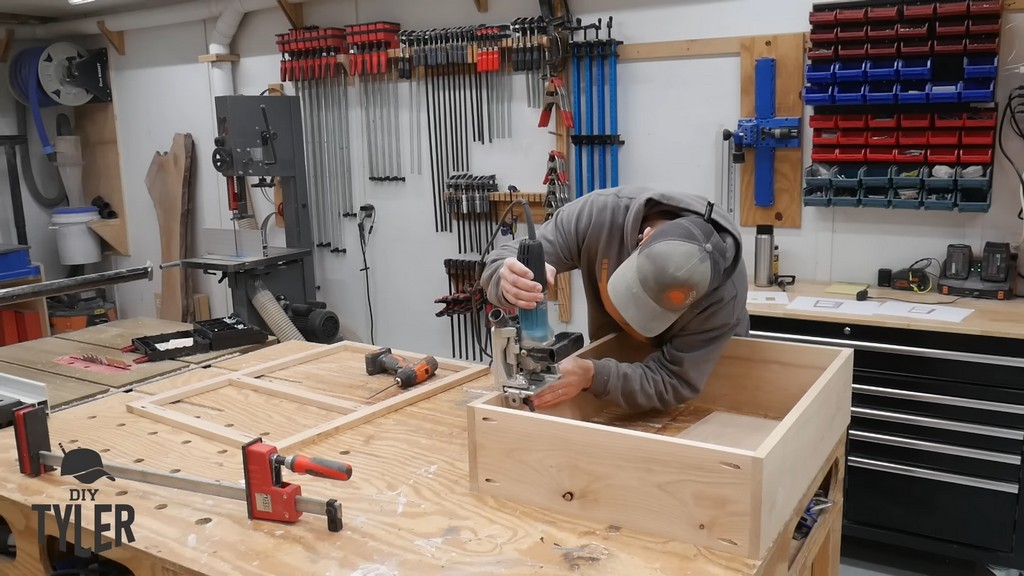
1004,319
408,508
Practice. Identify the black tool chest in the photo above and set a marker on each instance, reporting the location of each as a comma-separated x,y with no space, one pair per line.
935,440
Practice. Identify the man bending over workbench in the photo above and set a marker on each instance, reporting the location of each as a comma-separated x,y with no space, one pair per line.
654,266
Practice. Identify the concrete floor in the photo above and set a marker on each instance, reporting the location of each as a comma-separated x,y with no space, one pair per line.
862,558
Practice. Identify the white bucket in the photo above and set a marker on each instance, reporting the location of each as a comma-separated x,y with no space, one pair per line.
76,243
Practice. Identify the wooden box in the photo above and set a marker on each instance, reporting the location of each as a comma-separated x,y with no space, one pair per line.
725,471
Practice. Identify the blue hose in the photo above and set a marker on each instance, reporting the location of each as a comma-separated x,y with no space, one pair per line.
24,77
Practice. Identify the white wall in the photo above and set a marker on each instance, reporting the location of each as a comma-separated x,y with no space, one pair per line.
670,114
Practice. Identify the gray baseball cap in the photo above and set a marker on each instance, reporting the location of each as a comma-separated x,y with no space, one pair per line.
678,264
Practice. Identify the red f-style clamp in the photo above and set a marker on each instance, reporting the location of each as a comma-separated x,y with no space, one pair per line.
554,94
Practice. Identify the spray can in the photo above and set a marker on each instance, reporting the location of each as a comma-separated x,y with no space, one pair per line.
766,259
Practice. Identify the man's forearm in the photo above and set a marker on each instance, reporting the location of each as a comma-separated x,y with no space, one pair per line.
639,386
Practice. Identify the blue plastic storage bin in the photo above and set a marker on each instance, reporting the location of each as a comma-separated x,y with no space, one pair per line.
977,90
845,177
848,94
820,73
845,196
982,183
939,200
881,70
881,93
912,92
984,66
973,200
818,95
851,71
876,175
914,68
944,91
811,178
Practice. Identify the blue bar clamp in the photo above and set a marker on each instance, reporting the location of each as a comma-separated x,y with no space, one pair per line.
763,133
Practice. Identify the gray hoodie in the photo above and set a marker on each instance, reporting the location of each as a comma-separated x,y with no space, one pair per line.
598,232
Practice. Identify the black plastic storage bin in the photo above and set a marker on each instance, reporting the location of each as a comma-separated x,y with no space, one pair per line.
845,184
816,195
939,193
974,194
876,185
908,190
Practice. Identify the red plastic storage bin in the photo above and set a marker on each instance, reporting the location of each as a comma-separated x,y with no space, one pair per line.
855,50
880,154
882,138
949,45
913,138
918,11
822,121
881,49
825,137
883,121
976,155
850,154
916,47
944,120
944,137
823,154
915,155
822,34
851,121
943,155
980,119
822,17
822,52
852,33
851,15
883,13
978,137
982,44
915,120
986,7
948,8
914,29
855,137
954,27
984,26
885,31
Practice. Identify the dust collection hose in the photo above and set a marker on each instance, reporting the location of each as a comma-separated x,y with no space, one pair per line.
28,175
272,313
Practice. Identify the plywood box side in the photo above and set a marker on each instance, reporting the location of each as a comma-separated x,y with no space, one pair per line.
802,443
659,485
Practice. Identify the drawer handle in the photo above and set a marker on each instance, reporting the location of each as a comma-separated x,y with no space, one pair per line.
937,399
857,462
937,423
893,349
933,447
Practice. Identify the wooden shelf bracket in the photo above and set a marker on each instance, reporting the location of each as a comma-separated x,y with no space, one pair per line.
116,39
5,44
293,12
481,5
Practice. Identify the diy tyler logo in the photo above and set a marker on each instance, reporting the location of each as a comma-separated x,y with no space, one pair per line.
86,466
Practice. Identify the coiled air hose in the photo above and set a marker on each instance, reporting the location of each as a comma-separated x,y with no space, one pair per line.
272,313
24,79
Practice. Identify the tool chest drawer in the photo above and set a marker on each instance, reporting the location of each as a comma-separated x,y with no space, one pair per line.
931,455
940,430
954,508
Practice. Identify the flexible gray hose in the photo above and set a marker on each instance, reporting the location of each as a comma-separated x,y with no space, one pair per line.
26,167
272,313
248,224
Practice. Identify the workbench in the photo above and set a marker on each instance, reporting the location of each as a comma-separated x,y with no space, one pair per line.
71,383
937,420
408,508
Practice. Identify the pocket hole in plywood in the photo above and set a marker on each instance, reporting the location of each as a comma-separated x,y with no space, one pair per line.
727,541
175,470
490,480
160,506
730,465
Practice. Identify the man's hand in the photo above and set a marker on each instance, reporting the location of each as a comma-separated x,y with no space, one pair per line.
576,376
517,285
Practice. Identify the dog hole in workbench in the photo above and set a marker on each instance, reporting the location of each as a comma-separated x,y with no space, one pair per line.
139,460
223,451
160,506
91,417
344,452
186,441
175,470
154,433
104,450
7,552
121,425
228,425
203,521
264,433
121,493
72,441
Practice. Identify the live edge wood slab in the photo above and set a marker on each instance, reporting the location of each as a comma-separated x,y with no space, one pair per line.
408,508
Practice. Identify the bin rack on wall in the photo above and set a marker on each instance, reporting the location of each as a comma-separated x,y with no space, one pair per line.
899,89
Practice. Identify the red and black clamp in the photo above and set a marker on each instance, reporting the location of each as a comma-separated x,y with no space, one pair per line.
555,95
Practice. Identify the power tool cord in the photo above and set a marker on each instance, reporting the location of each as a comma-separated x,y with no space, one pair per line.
1011,106
531,234
364,239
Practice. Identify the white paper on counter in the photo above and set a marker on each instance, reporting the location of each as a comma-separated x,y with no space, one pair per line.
833,306
934,312
767,298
